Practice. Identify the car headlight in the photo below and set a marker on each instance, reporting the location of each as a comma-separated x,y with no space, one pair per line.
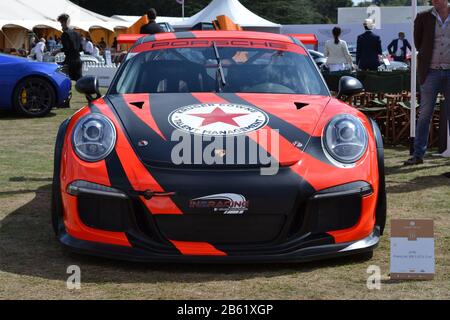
345,138
94,137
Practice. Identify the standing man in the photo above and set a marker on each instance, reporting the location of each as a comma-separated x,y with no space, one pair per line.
151,27
368,48
432,39
397,48
71,42
51,44
89,47
102,44
39,50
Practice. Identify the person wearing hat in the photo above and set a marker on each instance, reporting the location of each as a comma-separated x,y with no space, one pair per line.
71,42
368,48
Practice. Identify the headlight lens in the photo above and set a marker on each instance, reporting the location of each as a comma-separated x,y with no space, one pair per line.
345,138
94,137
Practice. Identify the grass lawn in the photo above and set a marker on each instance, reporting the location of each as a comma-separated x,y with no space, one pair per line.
33,265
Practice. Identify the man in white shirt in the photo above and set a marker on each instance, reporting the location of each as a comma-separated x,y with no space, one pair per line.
39,50
89,49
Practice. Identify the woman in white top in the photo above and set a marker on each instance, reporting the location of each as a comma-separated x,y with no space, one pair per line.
336,51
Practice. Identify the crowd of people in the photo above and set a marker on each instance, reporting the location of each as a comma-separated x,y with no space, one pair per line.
368,50
432,40
53,45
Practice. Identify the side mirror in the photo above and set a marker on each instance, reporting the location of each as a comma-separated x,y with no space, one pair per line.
349,86
88,86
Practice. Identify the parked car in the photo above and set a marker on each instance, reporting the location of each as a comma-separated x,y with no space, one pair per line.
32,88
318,57
167,27
392,66
127,184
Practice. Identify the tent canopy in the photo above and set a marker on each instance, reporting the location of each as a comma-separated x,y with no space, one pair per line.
17,17
233,9
31,13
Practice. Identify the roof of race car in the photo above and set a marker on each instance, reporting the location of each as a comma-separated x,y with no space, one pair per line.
202,38
248,35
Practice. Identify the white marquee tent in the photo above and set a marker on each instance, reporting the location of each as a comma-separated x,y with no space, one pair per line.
133,19
17,17
234,10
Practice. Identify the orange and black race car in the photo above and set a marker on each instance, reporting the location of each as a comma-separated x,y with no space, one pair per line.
218,146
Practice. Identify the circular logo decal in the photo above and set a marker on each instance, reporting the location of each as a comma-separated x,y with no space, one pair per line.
217,119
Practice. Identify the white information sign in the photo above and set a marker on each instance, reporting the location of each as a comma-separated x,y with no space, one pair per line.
412,249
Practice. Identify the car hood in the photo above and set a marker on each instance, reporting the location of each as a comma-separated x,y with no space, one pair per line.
162,127
6,58
25,63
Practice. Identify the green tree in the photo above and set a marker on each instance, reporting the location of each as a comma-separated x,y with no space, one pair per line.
284,11
327,9
279,11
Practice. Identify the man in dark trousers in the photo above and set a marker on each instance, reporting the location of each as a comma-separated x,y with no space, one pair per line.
432,39
71,42
397,48
368,48
151,27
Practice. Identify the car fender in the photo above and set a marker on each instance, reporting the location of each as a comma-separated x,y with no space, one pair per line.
381,201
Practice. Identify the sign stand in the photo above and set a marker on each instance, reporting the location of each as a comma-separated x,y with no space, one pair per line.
446,153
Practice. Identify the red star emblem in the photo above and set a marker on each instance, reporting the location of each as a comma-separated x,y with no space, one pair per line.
218,115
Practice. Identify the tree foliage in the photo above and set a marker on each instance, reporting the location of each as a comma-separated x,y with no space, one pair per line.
279,11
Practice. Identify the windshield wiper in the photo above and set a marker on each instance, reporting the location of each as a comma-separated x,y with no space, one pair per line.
220,76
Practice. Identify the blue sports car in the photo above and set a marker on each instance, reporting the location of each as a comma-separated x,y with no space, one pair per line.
32,88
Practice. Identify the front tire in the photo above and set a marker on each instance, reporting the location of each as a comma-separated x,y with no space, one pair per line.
34,97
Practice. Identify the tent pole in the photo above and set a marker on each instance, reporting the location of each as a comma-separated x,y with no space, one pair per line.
413,80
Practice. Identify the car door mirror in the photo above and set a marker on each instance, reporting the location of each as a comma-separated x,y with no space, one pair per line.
88,85
349,86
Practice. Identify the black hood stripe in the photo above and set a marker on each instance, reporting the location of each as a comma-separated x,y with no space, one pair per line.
161,106
287,130
311,145
116,173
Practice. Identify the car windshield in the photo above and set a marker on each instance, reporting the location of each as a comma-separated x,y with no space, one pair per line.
195,69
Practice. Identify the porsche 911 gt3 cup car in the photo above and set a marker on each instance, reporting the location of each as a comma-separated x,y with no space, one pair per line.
218,146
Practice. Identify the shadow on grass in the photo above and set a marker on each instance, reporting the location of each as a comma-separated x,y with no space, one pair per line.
401,169
15,192
29,248
4,116
418,184
25,179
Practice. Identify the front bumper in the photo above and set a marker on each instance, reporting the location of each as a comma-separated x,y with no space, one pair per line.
305,236
306,254
64,89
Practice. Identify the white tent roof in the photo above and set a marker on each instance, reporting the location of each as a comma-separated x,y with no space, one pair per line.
233,9
133,19
32,13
